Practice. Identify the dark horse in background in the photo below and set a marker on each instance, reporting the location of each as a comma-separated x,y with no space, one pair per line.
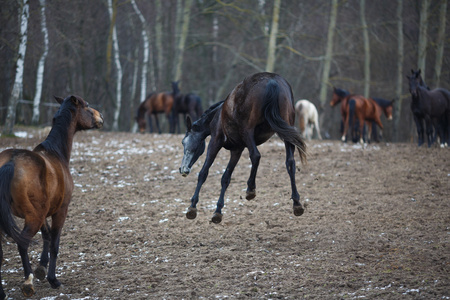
431,107
257,108
35,185
154,104
186,104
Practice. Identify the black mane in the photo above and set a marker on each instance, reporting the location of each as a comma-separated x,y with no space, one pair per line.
207,116
56,141
341,92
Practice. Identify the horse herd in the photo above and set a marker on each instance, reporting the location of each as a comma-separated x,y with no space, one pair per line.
36,185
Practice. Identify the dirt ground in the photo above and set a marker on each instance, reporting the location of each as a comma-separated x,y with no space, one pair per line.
376,225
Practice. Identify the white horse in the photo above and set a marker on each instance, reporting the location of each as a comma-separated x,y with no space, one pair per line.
308,118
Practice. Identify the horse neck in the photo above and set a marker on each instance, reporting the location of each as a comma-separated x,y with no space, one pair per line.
59,141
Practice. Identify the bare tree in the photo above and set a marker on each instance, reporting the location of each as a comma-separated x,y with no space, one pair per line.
182,38
366,48
328,53
273,37
18,82
440,43
400,59
422,44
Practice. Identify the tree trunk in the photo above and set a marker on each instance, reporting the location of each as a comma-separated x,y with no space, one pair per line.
158,40
440,43
273,37
118,103
328,53
366,49
182,39
41,65
400,58
18,82
422,46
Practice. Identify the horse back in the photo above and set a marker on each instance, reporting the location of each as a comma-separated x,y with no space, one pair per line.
40,183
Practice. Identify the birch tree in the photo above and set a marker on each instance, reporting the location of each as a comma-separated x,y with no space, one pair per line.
183,32
273,37
440,43
400,59
328,53
422,45
366,49
40,69
18,82
112,9
158,40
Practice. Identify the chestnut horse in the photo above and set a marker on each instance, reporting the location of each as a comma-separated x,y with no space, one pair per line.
35,185
154,104
431,107
256,109
186,104
308,118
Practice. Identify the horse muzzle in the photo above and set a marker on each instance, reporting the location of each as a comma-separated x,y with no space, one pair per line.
184,171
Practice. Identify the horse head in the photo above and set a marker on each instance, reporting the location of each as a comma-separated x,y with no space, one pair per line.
194,146
414,82
338,95
175,88
84,116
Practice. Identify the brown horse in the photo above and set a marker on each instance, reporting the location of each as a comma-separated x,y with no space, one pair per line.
154,104
341,96
257,108
35,185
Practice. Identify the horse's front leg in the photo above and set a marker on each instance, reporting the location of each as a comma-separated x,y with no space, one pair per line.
213,149
226,177
419,127
429,131
41,270
2,292
344,131
55,233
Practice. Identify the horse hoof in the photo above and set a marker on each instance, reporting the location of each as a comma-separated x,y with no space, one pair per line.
55,283
217,218
250,195
40,272
298,210
27,290
191,213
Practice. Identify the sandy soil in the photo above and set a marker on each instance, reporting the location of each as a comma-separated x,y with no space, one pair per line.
376,226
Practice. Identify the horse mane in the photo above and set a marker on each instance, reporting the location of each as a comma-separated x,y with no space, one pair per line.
56,141
207,116
382,102
341,92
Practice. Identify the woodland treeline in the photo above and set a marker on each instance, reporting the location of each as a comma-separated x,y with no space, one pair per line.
114,52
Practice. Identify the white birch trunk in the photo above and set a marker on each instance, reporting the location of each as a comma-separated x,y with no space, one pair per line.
273,37
18,82
41,65
118,101
328,53
366,49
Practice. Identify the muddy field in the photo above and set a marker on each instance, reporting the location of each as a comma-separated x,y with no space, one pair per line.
376,226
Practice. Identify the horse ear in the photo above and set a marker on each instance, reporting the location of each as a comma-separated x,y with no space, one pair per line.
188,123
420,71
412,71
393,100
59,99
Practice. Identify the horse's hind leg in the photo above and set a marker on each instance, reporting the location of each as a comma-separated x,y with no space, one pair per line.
226,177
55,234
41,271
255,156
28,232
290,166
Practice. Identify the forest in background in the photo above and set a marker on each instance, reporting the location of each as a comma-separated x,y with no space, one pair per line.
113,52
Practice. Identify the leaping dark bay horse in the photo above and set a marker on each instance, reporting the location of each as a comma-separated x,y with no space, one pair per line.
257,108
36,185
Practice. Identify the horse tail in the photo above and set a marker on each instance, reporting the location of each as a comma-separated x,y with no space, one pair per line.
7,223
273,116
